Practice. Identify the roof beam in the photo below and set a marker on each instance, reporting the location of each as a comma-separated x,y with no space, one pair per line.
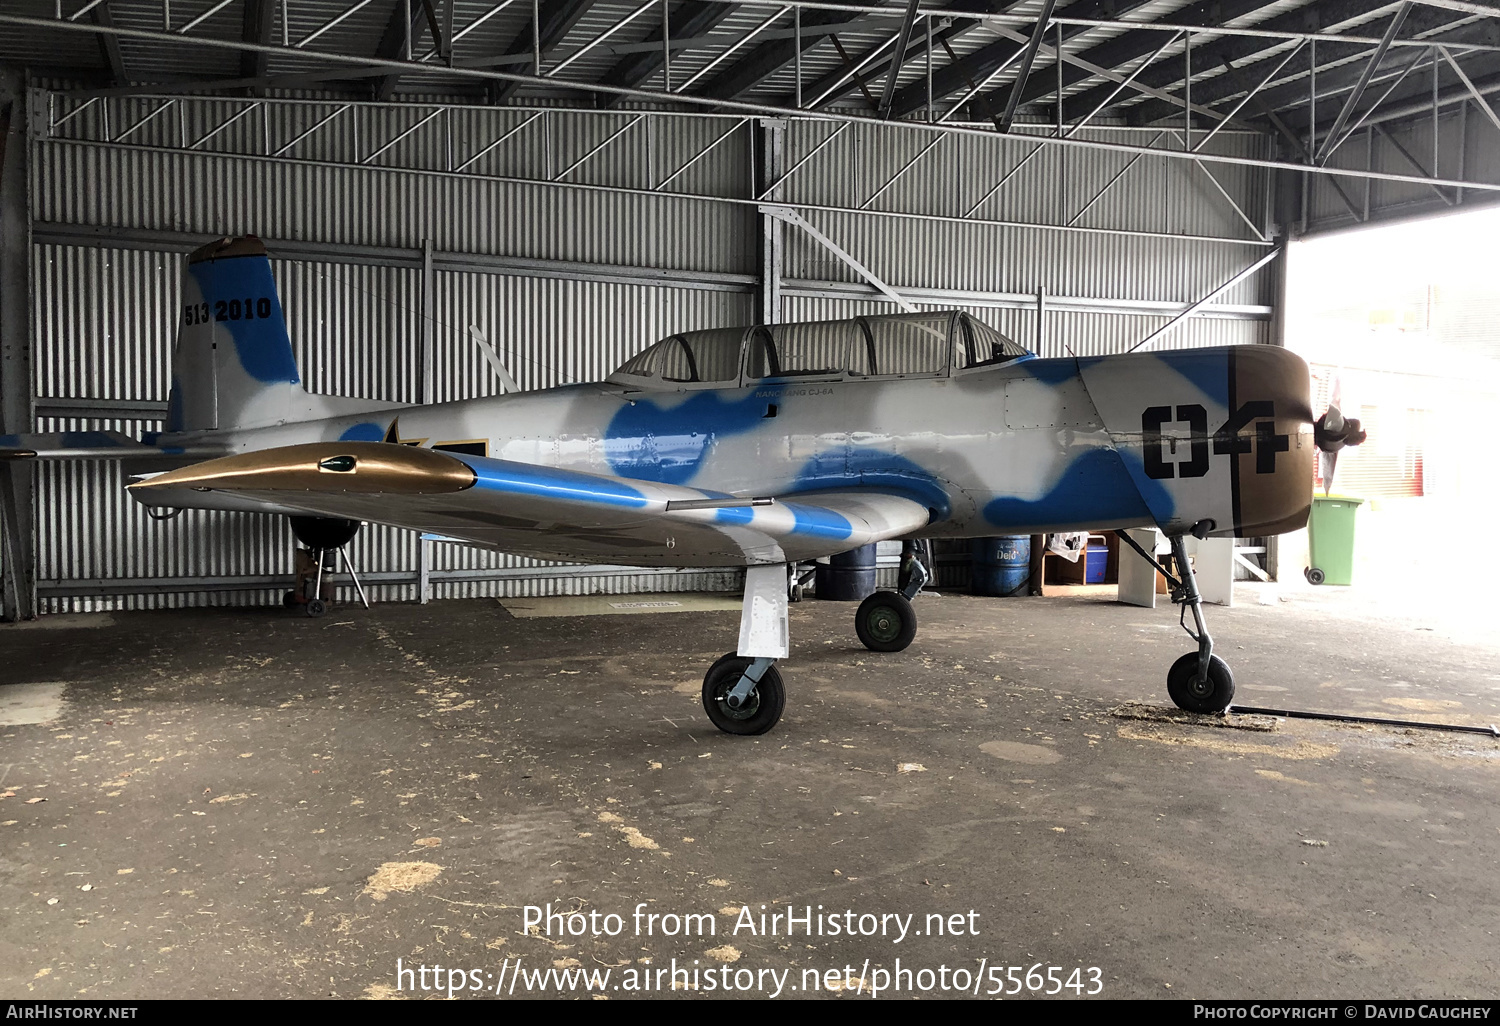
399,33
739,109
687,21
1290,97
1241,51
1337,74
942,37
1254,100
109,46
1250,54
1330,143
853,70
898,56
1488,10
1131,46
979,65
1358,92
259,19
1023,72
768,57
557,19
1483,104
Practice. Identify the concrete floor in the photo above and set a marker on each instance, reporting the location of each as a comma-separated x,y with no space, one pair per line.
233,800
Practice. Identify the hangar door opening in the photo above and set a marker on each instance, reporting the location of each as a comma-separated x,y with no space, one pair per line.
1400,327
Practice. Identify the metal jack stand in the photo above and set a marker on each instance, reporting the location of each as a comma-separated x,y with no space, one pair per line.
315,605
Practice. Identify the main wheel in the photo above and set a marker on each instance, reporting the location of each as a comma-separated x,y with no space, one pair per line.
289,599
316,607
1210,696
886,622
1314,575
762,707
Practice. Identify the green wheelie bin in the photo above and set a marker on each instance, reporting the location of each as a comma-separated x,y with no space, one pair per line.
1330,539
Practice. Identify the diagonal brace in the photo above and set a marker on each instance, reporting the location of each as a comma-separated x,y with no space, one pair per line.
1484,104
790,216
1358,92
1200,304
1414,162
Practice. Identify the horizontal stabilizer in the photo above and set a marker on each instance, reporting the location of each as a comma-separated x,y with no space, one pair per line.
93,445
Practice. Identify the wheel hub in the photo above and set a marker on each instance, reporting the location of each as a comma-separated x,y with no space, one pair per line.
739,708
884,623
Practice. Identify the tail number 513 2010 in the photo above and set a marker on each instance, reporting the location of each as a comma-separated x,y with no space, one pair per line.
247,309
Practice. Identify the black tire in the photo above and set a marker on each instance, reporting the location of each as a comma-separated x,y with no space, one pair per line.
316,607
886,622
323,532
1182,685
289,599
1314,575
763,707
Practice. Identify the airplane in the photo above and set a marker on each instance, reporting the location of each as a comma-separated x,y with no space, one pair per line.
758,447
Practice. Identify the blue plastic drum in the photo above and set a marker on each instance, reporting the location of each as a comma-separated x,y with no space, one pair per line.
1002,565
847,577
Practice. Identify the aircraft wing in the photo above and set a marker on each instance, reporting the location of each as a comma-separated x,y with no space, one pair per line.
547,512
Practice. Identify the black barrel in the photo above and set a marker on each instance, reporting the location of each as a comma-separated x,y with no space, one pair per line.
1001,565
847,577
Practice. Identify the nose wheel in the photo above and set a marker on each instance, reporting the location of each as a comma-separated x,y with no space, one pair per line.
1200,681
1211,694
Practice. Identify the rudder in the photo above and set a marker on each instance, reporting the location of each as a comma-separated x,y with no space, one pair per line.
233,367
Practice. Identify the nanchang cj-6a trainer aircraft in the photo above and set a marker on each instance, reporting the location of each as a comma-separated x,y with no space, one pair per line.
748,447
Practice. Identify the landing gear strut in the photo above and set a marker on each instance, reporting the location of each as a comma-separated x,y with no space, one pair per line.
742,691
1200,681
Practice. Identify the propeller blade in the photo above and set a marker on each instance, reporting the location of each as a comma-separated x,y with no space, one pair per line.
1332,432
1330,464
1333,421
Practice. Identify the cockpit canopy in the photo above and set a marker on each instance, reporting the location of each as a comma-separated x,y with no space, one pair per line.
892,345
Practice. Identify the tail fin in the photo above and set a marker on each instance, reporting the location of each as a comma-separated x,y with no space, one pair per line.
234,366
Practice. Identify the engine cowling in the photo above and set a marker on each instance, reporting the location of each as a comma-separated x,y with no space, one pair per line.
1221,439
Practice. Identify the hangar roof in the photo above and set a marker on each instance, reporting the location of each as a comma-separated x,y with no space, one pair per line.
989,62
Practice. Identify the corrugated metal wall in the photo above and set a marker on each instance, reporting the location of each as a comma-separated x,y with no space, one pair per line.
105,310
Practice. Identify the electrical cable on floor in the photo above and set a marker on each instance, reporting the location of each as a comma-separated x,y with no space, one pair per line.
1491,731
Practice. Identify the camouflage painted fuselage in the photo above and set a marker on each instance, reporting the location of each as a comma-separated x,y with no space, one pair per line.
1166,439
